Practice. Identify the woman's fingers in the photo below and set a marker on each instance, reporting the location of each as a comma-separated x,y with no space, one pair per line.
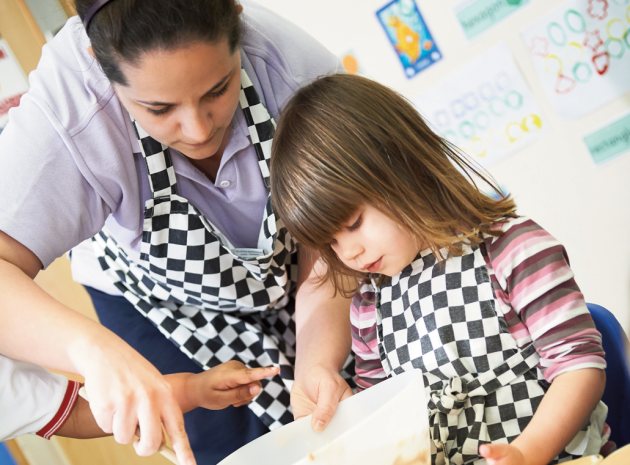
173,420
149,429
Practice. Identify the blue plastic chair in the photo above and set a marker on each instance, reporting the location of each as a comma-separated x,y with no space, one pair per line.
617,391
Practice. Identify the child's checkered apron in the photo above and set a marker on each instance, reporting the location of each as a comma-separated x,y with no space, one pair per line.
214,301
441,318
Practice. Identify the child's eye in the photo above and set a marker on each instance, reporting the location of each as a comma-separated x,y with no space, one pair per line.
356,224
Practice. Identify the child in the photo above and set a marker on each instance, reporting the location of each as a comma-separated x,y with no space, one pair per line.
33,400
453,283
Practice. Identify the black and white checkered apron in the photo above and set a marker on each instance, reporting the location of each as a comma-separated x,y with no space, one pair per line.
214,301
440,317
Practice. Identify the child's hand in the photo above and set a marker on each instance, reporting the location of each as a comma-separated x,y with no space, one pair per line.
230,383
320,398
502,454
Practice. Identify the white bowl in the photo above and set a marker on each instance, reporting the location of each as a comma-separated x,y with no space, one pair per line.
384,425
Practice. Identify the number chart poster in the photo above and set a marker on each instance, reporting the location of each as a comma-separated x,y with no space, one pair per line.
581,53
485,108
409,35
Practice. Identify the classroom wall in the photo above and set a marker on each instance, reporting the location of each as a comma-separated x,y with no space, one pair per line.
553,178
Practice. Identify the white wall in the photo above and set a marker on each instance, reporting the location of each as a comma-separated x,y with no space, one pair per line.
586,206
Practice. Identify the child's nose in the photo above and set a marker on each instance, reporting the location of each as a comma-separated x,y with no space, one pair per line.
350,250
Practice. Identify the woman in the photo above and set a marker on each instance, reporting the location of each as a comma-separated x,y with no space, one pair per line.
145,138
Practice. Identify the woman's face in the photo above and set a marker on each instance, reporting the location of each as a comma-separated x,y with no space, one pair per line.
185,97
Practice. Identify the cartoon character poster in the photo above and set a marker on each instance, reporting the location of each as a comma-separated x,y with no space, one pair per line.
409,35
581,52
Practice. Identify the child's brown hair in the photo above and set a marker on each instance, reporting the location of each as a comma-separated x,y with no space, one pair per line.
344,141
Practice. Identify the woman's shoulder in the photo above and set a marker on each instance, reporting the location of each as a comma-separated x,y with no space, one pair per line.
68,85
282,56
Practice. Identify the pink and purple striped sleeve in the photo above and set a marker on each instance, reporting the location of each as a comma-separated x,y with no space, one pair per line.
368,368
541,301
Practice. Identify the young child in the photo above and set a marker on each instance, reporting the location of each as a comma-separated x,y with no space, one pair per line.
33,400
452,282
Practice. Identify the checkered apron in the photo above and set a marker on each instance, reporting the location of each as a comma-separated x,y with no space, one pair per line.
440,317
214,301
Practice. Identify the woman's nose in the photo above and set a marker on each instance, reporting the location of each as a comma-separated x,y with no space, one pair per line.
196,127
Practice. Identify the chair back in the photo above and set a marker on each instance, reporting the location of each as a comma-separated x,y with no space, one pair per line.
617,391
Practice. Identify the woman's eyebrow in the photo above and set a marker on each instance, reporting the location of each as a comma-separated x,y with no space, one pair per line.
156,103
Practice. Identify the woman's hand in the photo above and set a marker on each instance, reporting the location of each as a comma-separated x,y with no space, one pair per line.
127,393
319,394
230,383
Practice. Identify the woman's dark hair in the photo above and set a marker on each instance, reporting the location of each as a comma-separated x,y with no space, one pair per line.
123,30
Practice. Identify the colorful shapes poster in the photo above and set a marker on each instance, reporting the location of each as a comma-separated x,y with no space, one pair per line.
485,108
409,35
581,53
475,16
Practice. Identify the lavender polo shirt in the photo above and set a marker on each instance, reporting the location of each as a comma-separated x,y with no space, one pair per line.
67,153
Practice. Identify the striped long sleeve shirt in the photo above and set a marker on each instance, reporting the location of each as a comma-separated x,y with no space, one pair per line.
535,292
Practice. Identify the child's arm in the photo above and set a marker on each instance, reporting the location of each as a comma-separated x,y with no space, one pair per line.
230,383
564,409
323,343
542,303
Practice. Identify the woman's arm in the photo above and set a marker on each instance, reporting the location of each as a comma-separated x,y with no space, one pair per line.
323,344
562,412
126,390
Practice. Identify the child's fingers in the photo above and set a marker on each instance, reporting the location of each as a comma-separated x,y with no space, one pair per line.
493,451
237,397
248,393
328,398
250,375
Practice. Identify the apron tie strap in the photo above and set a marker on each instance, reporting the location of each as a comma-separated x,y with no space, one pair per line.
459,393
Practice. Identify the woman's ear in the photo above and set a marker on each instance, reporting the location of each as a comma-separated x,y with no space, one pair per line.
90,51
239,8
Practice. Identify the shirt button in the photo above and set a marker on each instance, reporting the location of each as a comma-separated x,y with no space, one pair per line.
225,183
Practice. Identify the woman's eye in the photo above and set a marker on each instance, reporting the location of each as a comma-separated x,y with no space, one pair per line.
219,92
158,112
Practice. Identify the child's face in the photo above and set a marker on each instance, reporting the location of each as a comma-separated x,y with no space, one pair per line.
372,242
